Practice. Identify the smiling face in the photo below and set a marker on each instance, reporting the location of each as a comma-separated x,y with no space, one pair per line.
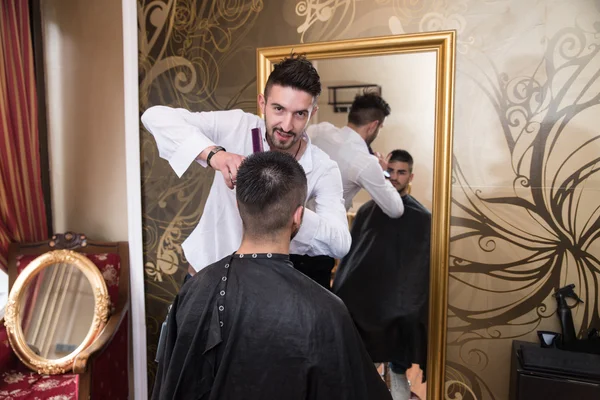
287,112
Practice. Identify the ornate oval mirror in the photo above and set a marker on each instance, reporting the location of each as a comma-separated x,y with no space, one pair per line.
56,308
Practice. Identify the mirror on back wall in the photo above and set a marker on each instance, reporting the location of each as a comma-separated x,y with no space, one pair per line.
385,117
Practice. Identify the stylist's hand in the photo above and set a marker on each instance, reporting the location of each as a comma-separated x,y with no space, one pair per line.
227,164
382,161
415,376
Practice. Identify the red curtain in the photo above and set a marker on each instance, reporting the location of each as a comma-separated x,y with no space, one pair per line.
22,212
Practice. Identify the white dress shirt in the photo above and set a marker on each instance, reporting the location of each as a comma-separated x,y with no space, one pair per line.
182,135
359,168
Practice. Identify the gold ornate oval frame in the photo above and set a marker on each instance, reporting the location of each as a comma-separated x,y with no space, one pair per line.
443,43
12,314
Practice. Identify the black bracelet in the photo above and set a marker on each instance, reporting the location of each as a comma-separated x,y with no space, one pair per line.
212,153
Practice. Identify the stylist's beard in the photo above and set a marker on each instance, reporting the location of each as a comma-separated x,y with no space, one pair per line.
274,143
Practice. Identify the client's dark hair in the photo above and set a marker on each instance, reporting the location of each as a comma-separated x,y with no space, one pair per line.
368,107
402,156
270,187
295,72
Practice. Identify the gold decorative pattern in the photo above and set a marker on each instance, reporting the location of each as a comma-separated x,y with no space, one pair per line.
102,309
185,50
12,318
443,43
44,368
316,11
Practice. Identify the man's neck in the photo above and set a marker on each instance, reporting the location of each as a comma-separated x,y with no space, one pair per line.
252,245
362,132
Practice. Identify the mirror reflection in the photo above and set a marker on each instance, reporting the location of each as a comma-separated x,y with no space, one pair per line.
383,107
57,310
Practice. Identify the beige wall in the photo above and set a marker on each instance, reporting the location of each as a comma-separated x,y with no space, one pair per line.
83,53
408,84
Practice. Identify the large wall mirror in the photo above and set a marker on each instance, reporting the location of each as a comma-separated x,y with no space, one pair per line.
415,75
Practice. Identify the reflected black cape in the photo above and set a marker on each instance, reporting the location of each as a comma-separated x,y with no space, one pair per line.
282,337
384,281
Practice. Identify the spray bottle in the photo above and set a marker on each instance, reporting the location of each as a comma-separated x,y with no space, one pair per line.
564,312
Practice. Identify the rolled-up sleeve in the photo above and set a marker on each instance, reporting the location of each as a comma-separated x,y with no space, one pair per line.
383,193
182,135
325,231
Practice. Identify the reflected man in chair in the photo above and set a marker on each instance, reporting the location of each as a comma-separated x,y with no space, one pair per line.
384,279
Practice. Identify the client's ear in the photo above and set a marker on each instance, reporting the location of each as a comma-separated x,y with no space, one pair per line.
298,215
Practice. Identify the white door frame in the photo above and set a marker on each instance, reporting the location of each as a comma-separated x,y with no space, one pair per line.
134,199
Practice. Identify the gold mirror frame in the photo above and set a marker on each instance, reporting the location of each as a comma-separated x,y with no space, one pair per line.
12,316
444,45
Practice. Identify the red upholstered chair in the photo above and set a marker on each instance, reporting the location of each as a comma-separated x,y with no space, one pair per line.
101,370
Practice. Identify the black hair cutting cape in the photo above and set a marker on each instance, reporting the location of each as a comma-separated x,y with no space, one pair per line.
384,281
255,328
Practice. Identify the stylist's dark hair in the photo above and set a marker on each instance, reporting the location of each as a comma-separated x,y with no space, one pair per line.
295,72
368,107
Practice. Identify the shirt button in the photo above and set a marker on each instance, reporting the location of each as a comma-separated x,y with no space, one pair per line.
226,265
221,323
254,255
221,308
222,293
224,278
